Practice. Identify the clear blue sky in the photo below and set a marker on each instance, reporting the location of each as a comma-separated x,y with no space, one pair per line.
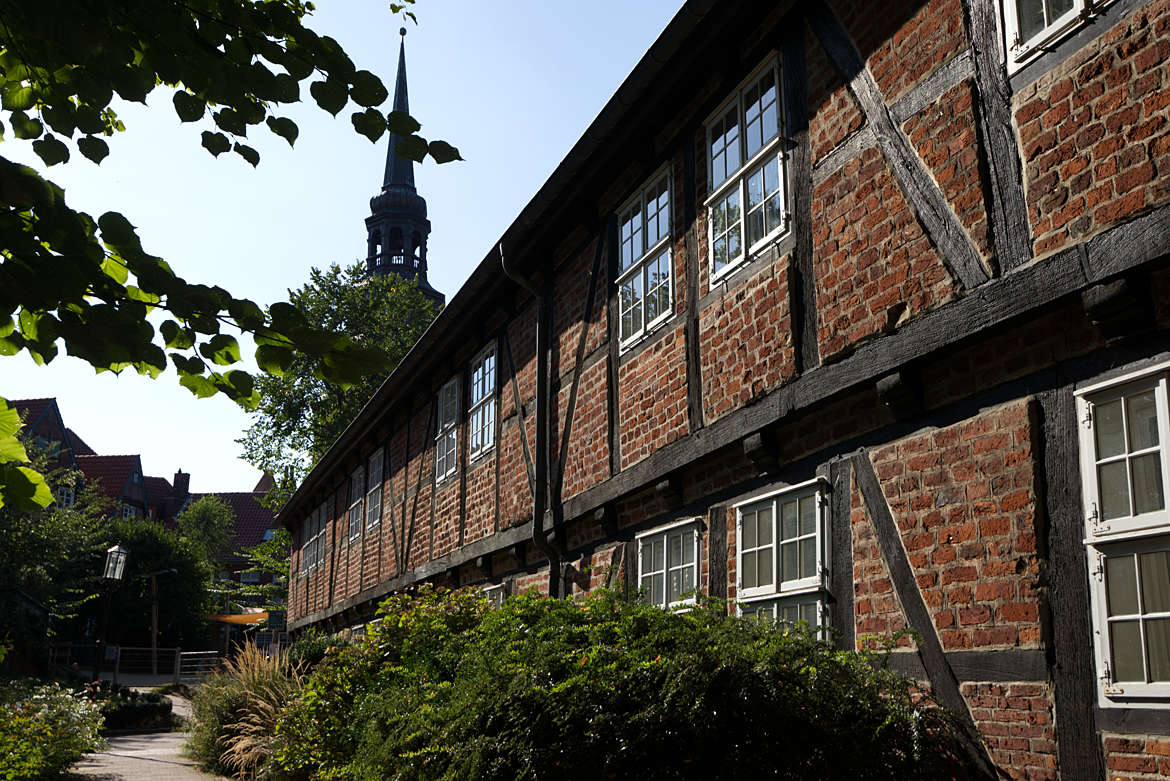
512,84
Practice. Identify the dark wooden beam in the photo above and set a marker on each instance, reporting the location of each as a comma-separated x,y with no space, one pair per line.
943,682
1007,212
1120,307
529,466
717,555
802,294
841,561
691,269
670,490
1010,664
763,451
606,517
613,328
1073,677
922,194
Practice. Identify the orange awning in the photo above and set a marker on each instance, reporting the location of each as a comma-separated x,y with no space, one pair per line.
238,618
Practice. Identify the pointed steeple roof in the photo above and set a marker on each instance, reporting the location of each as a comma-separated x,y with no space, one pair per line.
399,170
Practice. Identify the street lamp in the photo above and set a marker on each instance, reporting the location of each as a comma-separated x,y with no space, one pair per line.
111,577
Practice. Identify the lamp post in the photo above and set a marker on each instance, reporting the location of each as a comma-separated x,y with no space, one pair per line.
111,576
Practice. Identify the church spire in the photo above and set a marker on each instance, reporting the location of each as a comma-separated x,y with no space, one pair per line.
399,170
397,227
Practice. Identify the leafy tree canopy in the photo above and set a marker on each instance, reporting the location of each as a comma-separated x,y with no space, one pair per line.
88,284
268,557
207,525
302,411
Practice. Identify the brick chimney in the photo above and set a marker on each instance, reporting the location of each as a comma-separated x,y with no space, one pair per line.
182,484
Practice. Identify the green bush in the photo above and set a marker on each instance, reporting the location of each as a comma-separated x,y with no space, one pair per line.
44,729
129,709
235,712
311,647
446,688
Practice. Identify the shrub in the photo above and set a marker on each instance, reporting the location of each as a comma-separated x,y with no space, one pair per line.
446,688
235,711
44,729
311,646
125,708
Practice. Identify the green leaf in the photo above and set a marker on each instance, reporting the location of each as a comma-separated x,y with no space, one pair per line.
9,419
231,121
117,230
285,128
273,359
216,143
286,317
11,449
412,148
241,381
221,349
176,336
60,118
115,270
138,294
248,153
247,315
402,124
367,89
15,97
24,127
189,107
185,365
443,152
329,94
93,148
200,386
370,123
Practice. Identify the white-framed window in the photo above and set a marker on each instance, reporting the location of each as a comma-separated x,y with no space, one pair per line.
357,489
374,489
803,608
447,437
269,534
1124,431
481,413
495,594
250,578
748,202
668,564
313,545
129,511
644,273
65,496
1032,26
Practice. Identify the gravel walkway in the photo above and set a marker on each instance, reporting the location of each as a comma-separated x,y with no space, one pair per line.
141,758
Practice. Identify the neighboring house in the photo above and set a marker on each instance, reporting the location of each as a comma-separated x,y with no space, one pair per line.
120,479
855,313
43,423
253,523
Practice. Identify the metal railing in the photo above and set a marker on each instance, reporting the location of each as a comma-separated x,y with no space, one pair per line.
135,666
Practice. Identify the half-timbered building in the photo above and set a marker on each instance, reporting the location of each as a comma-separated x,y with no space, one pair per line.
848,312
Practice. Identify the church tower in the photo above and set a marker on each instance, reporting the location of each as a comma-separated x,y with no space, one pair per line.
397,227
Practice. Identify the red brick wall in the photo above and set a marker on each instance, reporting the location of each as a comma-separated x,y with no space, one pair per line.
964,499
745,341
481,498
1095,134
873,265
903,41
1133,757
653,399
944,135
833,112
445,523
1016,722
587,460
571,289
515,492
876,611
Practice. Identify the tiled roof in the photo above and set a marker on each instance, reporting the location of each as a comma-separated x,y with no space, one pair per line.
251,517
113,471
158,492
79,446
33,407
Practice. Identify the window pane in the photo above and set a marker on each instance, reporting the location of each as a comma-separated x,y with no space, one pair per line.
675,592
808,557
1126,640
656,586
1158,648
789,614
808,613
749,531
765,525
659,551
688,580
1112,483
1107,420
789,561
647,558
788,522
688,548
1147,482
755,226
674,551
1142,414
764,564
1155,581
1030,14
1121,584
808,514
749,570
1056,8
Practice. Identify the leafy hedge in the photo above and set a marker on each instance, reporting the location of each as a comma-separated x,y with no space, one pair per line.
44,729
447,688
